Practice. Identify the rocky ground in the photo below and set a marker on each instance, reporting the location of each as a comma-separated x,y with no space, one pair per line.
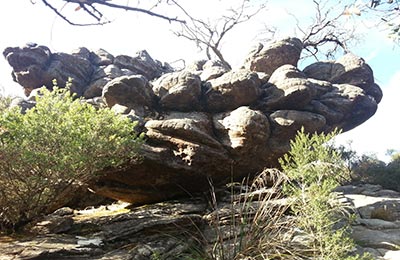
377,227
170,230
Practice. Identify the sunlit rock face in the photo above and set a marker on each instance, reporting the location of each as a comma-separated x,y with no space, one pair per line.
206,124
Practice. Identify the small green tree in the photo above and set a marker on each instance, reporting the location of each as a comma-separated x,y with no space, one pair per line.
300,216
315,168
60,143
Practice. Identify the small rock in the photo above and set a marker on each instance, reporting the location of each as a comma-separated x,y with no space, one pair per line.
378,224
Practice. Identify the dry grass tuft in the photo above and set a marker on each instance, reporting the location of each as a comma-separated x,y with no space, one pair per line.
256,224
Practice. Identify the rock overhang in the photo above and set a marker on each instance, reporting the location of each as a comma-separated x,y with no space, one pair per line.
207,122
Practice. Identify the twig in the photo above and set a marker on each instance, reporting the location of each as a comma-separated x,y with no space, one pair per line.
66,19
126,8
87,6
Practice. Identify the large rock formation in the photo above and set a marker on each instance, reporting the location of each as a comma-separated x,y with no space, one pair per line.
207,124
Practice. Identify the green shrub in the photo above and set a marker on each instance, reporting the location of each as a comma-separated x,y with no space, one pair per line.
299,217
369,169
4,102
60,143
315,168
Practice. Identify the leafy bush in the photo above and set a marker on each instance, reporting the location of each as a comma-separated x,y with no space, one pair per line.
4,102
298,217
315,168
367,168
60,143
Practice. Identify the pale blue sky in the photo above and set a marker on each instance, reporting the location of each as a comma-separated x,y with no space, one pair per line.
22,22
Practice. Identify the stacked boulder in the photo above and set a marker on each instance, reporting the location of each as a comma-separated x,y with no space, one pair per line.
206,124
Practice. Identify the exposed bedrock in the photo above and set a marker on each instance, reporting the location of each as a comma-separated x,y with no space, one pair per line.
206,124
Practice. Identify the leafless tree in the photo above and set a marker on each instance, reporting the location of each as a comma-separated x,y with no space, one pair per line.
327,34
334,26
208,35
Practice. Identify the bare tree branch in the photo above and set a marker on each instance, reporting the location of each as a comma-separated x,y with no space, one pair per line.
89,7
65,18
208,36
326,35
387,13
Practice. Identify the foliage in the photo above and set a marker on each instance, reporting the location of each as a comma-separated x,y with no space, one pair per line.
53,148
328,33
298,217
369,169
334,25
208,34
271,230
315,168
389,14
4,102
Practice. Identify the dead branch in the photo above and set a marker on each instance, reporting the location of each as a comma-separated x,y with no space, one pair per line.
326,35
209,35
89,6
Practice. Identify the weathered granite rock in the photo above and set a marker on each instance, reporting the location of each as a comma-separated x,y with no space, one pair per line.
212,70
133,92
286,123
288,88
181,157
65,67
179,91
377,226
35,66
142,64
348,69
349,105
233,89
101,58
101,77
268,58
244,133
344,106
207,123
112,232
175,229
199,227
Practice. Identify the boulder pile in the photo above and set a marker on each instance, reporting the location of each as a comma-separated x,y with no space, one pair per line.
206,124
